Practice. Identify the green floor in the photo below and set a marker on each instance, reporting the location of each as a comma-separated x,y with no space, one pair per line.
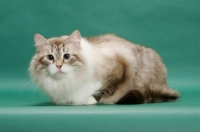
171,27
25,108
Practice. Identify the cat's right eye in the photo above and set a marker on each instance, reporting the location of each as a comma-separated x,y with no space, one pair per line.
50,57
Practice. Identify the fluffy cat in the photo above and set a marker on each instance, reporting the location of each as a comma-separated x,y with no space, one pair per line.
105,69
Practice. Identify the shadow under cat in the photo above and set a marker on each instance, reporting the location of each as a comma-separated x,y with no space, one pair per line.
132,98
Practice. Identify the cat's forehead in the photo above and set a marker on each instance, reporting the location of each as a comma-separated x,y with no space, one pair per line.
58,41
58,45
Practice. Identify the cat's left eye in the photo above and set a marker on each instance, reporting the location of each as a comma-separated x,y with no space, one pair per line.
66,56
50,57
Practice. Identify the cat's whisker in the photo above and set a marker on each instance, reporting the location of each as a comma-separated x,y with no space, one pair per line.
41,79
33,93
25,84
32,80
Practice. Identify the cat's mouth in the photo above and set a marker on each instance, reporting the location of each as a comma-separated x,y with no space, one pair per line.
60,72
59,75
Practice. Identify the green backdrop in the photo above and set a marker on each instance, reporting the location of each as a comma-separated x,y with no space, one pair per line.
171,27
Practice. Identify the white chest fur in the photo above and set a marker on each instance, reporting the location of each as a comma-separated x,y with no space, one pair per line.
69,92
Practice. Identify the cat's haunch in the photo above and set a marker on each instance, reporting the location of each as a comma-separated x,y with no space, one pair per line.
104,69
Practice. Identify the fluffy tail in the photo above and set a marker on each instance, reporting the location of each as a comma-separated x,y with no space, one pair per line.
161,95
151,95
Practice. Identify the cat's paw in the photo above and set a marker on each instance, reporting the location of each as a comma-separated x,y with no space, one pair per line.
97,95
91,100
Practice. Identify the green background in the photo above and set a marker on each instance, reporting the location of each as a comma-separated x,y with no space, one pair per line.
171,27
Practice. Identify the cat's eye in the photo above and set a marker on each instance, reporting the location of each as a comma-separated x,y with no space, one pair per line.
66,56
50,57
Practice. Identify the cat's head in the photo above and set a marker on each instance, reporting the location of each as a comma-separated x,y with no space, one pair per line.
57,57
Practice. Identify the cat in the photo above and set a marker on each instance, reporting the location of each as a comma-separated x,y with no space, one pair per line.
104,69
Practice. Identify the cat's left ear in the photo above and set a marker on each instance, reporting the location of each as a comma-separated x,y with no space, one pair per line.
40,40
75,37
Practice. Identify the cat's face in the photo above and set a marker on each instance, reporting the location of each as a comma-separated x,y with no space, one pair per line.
58,57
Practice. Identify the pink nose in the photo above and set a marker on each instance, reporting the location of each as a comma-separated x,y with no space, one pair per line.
58,66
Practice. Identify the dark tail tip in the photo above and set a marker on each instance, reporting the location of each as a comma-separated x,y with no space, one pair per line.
164,95
172,95
136,97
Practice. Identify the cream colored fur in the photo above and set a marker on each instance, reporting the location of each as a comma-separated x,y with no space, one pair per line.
100,63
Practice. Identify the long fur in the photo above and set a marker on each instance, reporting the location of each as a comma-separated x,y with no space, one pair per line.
107,65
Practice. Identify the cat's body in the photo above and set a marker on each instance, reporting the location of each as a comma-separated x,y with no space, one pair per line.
106,67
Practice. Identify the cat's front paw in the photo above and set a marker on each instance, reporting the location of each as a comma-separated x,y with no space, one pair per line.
91,100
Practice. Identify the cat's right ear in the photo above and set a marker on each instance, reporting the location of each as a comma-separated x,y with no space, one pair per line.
39,40
75,38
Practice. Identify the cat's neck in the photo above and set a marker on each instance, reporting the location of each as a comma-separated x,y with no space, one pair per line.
89,53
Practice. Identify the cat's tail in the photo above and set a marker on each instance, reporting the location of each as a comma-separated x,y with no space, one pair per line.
164,94
151,95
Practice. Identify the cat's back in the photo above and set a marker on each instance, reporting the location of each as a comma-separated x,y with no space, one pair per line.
114,42
106,39
101,39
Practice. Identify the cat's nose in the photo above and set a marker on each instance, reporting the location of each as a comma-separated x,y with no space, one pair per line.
58,66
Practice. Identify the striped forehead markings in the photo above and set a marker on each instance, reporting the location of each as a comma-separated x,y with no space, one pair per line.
60,47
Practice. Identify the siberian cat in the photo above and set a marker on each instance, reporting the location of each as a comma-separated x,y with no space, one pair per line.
104,69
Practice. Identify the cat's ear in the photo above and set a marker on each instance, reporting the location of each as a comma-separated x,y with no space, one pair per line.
75,37
39,40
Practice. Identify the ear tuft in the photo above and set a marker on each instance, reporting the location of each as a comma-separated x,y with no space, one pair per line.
75,37
39,39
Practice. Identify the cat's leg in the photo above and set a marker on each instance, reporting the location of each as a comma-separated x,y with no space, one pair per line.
117,82
91,100
97,95
103,92
115,97
112,92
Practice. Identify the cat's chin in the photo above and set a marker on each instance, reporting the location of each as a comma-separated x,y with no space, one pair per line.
59,75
